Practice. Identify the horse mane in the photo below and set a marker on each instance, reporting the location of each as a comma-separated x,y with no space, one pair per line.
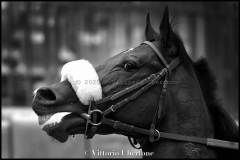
224,125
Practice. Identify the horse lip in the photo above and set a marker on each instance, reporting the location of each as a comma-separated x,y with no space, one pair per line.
51,119
78,124
70,124
42,110
56,132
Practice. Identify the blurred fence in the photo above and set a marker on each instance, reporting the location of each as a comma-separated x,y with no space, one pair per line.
23,138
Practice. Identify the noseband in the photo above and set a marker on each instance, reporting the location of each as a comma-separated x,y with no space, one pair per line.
96,117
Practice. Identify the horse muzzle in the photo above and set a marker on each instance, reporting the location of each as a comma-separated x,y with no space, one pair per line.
59,111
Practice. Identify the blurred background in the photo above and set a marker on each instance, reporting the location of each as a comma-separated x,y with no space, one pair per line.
39,37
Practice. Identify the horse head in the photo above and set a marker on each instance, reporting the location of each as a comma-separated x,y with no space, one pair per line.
64,109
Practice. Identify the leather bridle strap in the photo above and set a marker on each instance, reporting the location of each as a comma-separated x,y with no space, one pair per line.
132,88
206,141
153,81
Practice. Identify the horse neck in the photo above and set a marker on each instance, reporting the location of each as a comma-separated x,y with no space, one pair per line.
185,113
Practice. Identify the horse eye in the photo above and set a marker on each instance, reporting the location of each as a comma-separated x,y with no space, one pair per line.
129,66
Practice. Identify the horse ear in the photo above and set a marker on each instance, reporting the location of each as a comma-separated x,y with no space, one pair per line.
165,27
150,34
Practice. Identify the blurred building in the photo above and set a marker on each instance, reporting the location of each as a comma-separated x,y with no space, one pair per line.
39,37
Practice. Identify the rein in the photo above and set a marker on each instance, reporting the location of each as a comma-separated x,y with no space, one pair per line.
96,117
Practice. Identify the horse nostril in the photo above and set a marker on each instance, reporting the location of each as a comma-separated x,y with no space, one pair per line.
46,94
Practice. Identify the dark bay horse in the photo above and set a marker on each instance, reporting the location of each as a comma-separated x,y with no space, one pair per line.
188,106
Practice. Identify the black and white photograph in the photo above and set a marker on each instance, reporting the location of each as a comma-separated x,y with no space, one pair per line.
120,79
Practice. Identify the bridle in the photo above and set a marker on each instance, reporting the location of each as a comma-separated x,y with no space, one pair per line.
96,117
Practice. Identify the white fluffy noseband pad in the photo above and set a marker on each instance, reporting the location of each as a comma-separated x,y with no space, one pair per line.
84,80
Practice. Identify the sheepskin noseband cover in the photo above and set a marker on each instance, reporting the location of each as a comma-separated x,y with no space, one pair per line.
84,80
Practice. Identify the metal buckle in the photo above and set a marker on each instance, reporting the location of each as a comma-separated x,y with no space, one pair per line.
85,116
92,120
91,129
153,138
90,116
159,135
113,110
